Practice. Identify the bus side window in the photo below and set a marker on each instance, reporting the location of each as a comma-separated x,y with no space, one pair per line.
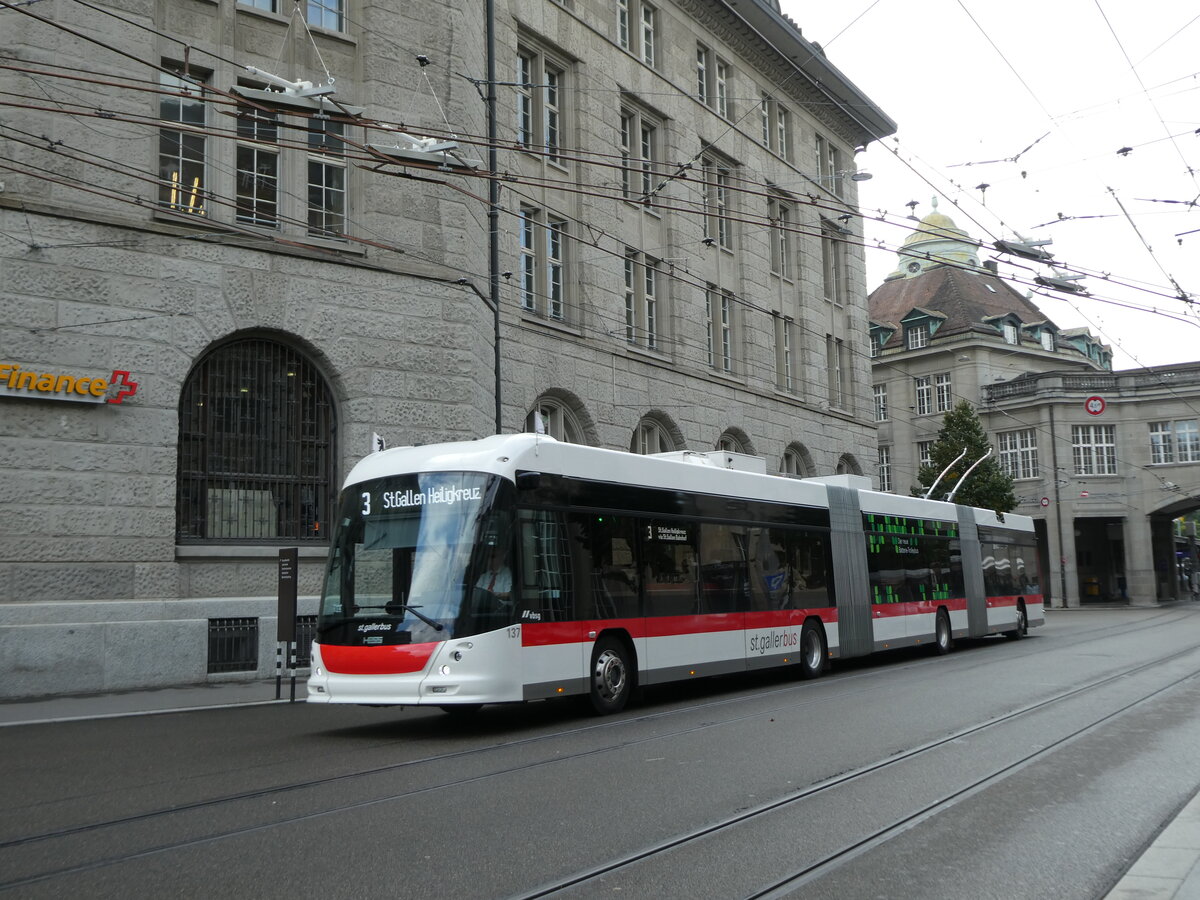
723,572
546,590
669,566
604,552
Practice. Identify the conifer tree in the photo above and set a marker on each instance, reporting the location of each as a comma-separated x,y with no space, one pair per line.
987,486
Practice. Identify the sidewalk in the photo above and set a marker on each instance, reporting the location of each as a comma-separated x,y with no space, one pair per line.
1170,867
145,702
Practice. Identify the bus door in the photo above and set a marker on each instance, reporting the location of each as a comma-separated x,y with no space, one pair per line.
551,633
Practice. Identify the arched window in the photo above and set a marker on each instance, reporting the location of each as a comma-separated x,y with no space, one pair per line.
651,437
730,443
554,419
795,463
256,446
848,465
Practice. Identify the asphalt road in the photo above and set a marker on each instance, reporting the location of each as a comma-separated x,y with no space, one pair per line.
1038,768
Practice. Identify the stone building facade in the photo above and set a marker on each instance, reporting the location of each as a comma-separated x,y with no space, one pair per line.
240,242
1102,460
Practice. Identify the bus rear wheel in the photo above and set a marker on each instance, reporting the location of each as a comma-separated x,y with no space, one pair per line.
1022,628
943,638
812,651
611,676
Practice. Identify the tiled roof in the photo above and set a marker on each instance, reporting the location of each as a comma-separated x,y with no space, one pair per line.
966,297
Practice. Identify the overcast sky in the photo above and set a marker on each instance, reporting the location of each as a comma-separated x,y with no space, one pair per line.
1080,116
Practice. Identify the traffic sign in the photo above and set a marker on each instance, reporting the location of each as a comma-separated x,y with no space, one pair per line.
1094,405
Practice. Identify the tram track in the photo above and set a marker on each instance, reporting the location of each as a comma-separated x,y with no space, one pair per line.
814,869
607,724
185,810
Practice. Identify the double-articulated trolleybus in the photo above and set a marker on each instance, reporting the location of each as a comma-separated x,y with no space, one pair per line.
519,567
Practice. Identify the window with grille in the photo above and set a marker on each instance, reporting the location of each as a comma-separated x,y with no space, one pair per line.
256,447
232,645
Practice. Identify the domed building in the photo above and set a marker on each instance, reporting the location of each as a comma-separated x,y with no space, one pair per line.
1126,445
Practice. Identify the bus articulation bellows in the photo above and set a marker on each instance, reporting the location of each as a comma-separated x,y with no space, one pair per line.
517,567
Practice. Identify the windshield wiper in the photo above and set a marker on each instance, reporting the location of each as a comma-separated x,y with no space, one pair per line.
404,607
433,623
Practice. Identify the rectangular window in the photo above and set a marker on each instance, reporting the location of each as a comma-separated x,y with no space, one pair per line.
925,453
528,285
885,468
833,267
1187,440
917,336
1018,453
780,216
712,80
257,162
540,86
726,332
267,5
183,182
710,325
639,155
924,395
881,404
642,279
555,228
329,14
717,224
721,89
1010,333
764,119
783,132
829,166
785,369
1162,444
649,37
623,33
876,346
1048,341
1094,449
542,263
835,364
944,396
326,178
719,329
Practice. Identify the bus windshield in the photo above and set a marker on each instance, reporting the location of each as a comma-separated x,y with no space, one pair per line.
419,558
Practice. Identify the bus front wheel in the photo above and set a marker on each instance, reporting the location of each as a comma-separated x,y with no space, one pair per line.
611,676
943,638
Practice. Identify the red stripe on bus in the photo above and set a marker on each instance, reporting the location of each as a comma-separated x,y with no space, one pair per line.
383,659
916,608
541,634
1012,601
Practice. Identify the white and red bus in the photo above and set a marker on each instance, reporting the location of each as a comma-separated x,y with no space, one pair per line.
517,567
